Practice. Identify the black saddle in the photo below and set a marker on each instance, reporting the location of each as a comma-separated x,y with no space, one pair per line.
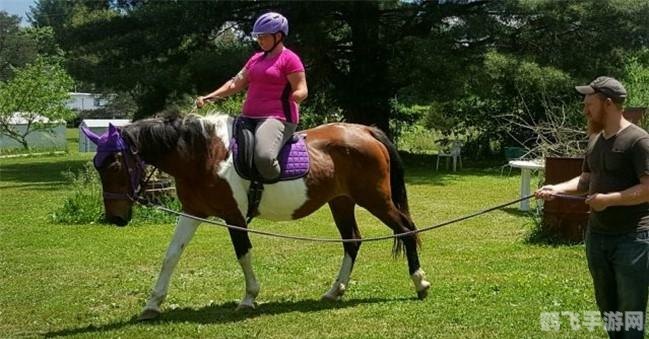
293,160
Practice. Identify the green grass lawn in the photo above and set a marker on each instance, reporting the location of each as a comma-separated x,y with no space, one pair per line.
92,280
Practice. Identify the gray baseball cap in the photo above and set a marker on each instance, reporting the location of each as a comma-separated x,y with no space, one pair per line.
608,86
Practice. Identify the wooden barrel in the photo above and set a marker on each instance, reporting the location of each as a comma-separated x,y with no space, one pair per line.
564,218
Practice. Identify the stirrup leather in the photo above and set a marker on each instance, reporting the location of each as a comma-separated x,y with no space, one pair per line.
254,198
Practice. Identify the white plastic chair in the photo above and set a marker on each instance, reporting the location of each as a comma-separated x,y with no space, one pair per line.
455,153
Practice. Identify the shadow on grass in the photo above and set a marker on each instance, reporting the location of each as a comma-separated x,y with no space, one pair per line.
226,313
539,237
37,173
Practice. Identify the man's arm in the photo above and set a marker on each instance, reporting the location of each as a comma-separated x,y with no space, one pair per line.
633,195
576,185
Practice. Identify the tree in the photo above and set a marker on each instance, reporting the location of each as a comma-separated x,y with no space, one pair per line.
38,89
16,47
348,48
533,52
359,55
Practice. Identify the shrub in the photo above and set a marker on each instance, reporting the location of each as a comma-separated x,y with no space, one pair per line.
84,204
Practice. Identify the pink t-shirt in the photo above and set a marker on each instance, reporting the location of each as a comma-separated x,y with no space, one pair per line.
268,87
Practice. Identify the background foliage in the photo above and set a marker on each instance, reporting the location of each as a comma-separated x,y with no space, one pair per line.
468,62
39,89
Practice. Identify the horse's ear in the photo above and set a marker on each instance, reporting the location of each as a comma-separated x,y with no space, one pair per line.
90,134
112,129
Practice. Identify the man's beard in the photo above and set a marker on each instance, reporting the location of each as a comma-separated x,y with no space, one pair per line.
596,126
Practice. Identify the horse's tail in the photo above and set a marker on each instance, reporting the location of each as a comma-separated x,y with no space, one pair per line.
397,186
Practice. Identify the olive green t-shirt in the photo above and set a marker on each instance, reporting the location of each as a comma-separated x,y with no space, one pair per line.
616,164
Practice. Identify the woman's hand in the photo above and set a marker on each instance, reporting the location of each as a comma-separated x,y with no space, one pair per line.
200,102
298,96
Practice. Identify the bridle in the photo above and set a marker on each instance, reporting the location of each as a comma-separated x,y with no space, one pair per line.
135,173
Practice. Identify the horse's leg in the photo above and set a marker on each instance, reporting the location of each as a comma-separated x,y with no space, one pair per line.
342,209
242,247
400,223
185,229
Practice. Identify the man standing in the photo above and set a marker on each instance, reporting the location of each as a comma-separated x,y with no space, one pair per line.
615,174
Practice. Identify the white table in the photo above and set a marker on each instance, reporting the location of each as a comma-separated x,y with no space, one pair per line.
526,166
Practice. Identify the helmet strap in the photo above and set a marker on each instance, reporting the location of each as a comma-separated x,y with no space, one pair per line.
275,43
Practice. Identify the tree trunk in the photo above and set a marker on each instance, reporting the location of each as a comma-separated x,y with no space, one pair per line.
366,90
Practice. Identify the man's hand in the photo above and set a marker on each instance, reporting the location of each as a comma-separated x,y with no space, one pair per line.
598,201
546,192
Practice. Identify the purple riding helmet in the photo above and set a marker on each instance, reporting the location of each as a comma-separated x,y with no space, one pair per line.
270,23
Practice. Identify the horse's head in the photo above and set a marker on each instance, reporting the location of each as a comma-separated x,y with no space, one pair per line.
121,172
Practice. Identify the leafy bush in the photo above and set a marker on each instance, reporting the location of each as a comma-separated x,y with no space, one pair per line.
231,105
144,214
505,86
636,80
418,139
84,204
318,109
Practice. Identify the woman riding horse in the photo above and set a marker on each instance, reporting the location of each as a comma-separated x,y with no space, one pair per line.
349,165
276,86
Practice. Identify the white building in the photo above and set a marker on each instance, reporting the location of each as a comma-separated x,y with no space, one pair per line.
99,127
86,101
50,139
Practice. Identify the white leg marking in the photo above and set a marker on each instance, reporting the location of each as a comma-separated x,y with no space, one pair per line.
185,229
338,288
421,284
252,287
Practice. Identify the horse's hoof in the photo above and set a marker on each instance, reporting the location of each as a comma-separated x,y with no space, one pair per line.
423,293
330,298
335,293
149,314
246,306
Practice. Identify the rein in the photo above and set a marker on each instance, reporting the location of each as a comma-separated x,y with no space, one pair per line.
332,240
136,184
138,187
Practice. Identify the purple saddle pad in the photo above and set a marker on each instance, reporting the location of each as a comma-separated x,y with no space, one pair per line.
293,159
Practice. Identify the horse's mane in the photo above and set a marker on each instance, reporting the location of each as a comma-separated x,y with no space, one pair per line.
155,137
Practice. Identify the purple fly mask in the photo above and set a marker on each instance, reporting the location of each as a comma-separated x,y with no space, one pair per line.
107,144
110,143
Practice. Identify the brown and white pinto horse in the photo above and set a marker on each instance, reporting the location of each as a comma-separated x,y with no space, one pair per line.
350,165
